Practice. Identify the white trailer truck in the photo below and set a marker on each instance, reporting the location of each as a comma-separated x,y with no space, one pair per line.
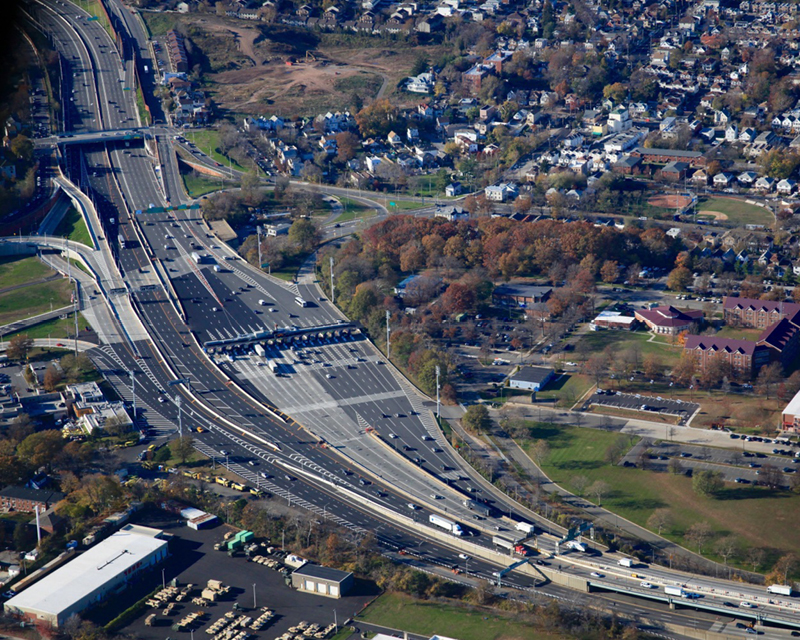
626,562
780,589
448,525
525,528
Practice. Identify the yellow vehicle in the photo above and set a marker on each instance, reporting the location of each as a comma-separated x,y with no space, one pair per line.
223,481
238,486
257,493
188,474
152,447
200,430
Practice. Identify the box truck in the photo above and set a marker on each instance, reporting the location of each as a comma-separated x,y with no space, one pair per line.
780,589
525,527
448,525
626,562
675,591
512,546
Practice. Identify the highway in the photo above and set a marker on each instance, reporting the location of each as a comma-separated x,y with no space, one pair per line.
337,386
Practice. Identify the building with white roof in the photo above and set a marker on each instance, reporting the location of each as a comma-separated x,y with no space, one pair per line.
89,578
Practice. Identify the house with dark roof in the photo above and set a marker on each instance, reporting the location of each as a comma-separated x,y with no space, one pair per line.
14,498
667,320
531,378
520,295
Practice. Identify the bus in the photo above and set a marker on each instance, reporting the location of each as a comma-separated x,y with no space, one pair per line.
301,301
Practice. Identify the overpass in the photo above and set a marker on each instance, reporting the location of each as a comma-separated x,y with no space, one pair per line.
93,137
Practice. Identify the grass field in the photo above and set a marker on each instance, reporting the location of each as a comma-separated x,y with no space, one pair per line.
290,268
364,83
621,340
756,516
736,210
352,209
207,140
56,328
158,23
72,226
401,205
738,333
427,618
566,390
33,300
199,185
15,271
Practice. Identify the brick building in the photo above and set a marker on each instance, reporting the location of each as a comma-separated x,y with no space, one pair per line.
667,320
26,500
758,314
744,356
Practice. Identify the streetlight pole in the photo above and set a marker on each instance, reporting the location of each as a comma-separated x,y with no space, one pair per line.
133,391
335,622
437,391
254,595
388,331
180,420
258,231
163,580
333,291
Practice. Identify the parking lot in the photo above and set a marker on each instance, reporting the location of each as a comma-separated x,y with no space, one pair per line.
643,403
194,560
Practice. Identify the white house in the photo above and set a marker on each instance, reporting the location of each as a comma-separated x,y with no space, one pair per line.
531,378
500,192
787,186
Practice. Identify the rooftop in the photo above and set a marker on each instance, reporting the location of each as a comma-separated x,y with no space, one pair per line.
87,573
322,573
533,374
730,345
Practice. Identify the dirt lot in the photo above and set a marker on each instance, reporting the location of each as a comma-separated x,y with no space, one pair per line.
194,561
247,71
669,202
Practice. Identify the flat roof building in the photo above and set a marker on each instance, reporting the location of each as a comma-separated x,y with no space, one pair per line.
90,577
531,378
323,581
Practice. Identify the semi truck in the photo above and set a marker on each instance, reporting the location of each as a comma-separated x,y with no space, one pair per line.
510,545
780,589
448,525
575,546
273,366
259,349
675,591
525,527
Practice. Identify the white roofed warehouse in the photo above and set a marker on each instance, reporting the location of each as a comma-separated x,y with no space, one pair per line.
91,577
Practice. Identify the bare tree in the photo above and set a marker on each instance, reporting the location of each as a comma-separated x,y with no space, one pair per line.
727,547
599,489
785,565
660,519
699,534
579,484
755,557
539,452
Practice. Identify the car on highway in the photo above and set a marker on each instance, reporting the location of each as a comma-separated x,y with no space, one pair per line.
288,477
224,452
162,399
412,506
595,574
436,496
646,585
393,436
463,556
747,605
265,475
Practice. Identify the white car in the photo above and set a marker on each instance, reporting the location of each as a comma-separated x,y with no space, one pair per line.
646,585
595,574
463,556
747,605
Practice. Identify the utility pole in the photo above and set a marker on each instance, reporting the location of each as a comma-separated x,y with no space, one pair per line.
258,230
133,391
254,595
388,331
437,390
180,421
333,290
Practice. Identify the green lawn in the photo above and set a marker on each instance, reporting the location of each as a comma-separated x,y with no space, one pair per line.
199,185
290,267
207,140
56,328
566,390
352,209
738,333
74,227
427,618
158,23
736,210
402,205
754,515
141,107
15,271
33,300
622,340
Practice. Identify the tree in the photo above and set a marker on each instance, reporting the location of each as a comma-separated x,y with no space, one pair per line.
707,483
579,484
377,119
699,534
727,548
770,476
785,565
599,489
19,347
768,378
615,92
539,452
41,448
609,272
755,557
660,519
182,448
458,298
679,279
675,467
52,378
476,419
652,366
305,234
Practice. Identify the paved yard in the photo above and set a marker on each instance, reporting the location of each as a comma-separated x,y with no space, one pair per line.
643,403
